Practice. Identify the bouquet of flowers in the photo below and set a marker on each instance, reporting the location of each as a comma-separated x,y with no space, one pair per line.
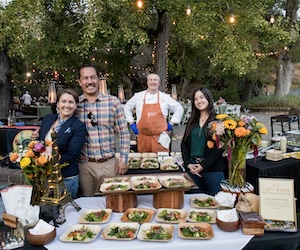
237,135
36,159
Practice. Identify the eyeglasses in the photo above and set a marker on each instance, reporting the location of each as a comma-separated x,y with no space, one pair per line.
92,118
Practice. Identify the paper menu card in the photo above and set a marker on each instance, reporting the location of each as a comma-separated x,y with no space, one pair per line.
277,200
16,197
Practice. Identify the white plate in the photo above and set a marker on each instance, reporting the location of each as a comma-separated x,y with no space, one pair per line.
147,226
93,228
181,218
107,230
104,188
210,212
82,219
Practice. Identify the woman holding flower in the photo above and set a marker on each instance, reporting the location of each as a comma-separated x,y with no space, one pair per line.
203,163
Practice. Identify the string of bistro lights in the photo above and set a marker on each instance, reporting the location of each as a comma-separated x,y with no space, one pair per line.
142,71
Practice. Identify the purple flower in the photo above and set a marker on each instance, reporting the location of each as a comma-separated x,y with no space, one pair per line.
39,147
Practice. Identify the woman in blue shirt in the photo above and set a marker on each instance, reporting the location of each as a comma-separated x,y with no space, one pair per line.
205,165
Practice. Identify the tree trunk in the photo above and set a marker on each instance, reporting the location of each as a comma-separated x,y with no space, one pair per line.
185,85
128,87
285,70
5,86
161,51
285,73
248,87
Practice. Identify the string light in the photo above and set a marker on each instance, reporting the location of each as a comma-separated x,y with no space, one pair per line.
272,19
139,4
188,10
232,19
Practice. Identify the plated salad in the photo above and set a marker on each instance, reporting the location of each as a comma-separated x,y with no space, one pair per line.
157,233
169,215
194,231
97,216
122,232
80,234
208,202
200,216
137,216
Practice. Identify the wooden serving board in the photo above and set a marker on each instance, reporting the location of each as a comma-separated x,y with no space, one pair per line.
121,202
168,199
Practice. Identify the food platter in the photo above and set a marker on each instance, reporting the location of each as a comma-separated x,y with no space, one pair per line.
195,231
156,232
168,215
169,167
173,181
145,185
201,215
95,216
115,187
140,215
120,231
78,233
204,202
116,179
134,163
149,163
143,178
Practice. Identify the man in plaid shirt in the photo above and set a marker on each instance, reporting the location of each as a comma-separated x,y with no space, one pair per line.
104,117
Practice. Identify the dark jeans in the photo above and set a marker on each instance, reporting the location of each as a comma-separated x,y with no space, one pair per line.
209,183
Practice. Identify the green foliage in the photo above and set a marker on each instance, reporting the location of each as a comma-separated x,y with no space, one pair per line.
292,101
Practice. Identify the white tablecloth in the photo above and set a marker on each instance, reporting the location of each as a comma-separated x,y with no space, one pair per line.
221,240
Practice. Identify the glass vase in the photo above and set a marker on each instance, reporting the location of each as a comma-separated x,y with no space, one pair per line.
237,167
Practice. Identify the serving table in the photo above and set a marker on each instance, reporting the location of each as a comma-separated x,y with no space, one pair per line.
221,240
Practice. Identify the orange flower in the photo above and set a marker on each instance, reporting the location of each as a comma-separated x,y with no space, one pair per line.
41,160
213,126
13,157
241,123
48,143
241,132
31,144
214,137
210,144
30,153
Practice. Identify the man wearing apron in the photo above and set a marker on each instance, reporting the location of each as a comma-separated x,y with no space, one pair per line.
152,108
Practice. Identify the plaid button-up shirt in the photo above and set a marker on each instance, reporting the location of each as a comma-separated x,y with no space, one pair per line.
108,113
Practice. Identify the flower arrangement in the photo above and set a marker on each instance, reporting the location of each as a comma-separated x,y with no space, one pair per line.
36,159
237,135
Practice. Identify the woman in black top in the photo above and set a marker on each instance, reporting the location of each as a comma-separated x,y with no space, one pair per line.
205,165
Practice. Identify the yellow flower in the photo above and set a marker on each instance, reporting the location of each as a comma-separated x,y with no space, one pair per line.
230,124
221,116
263,131
25,162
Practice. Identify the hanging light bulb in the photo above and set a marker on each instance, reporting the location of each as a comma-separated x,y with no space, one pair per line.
188,10
272,19
139,4
232,18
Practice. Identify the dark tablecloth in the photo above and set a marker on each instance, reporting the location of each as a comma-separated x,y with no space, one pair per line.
286,168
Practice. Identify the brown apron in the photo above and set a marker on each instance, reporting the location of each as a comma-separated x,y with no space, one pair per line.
150,126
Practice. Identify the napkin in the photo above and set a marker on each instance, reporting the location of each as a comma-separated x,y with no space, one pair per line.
164,139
